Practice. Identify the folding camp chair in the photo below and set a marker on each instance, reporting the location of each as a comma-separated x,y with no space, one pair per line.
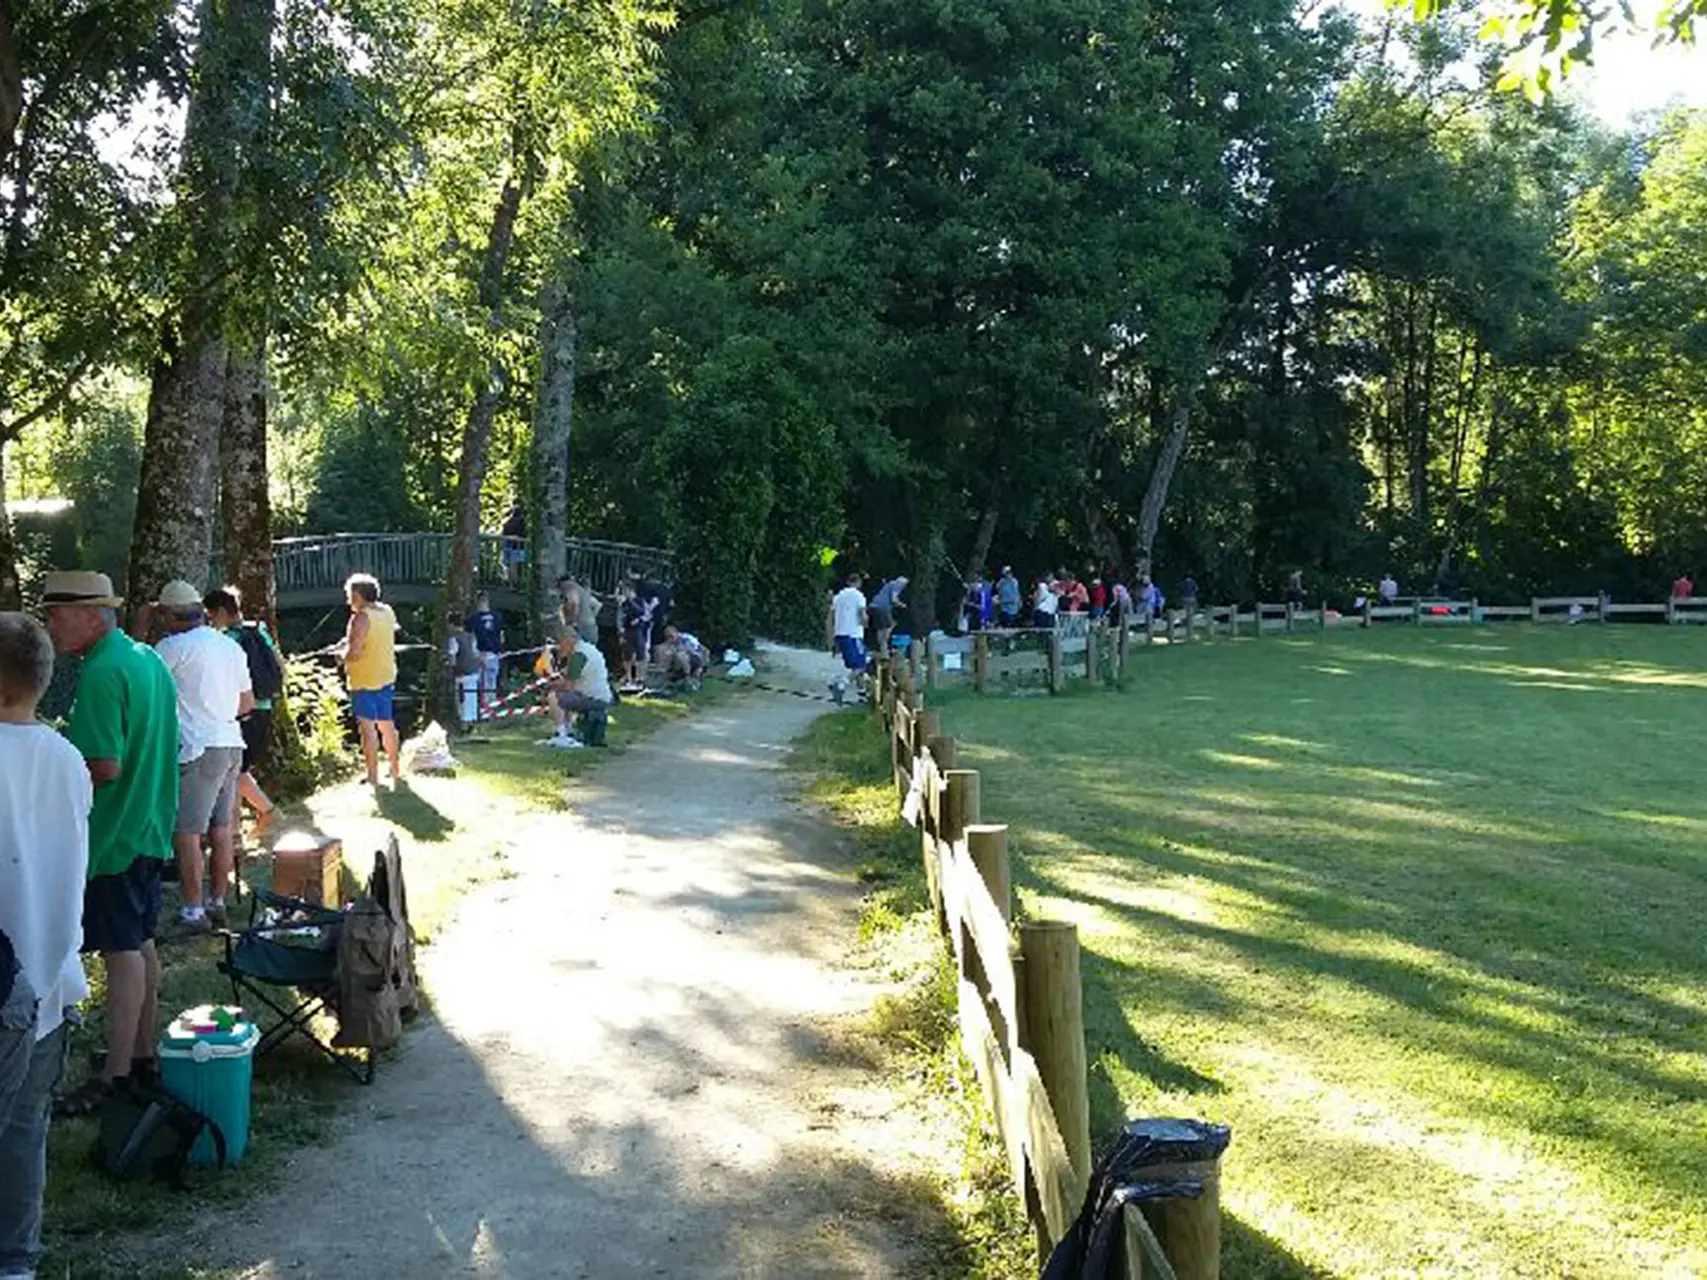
287,960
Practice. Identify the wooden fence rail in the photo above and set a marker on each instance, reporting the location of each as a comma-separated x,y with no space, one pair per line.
1019,990
1080,647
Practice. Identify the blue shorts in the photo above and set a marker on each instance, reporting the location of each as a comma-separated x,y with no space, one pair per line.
371,704
853,653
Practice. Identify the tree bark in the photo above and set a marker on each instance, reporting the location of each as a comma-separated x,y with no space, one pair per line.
1156,494
186,405
477,429
173,534
11,588
11,84
245,505
552,422
982,537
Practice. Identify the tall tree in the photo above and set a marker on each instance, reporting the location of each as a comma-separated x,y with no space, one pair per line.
176,503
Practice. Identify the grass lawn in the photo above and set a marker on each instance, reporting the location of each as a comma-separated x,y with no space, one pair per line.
454,832
1422,915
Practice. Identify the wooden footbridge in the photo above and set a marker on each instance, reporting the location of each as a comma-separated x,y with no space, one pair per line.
413,567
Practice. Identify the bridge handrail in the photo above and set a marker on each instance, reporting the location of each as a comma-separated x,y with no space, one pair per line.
323,561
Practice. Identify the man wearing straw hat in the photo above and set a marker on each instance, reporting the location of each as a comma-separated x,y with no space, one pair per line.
125,724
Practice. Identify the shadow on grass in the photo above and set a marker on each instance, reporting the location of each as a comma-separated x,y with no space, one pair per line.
409,809
1249,1253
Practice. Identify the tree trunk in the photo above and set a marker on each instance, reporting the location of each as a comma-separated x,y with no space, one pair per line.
11,588
1156,495
186,404
978,560
173,533
477,429
245,506
552,421
11,84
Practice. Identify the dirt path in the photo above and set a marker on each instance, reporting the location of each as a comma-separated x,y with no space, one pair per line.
631,1069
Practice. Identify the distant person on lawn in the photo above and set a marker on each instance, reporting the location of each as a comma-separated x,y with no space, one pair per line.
224,607
45,795
1387,589
214,691
369,652
1683,588
125,724
1008,594
487,627
581,682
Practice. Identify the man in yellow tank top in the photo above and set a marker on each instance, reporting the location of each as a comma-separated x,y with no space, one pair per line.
370,668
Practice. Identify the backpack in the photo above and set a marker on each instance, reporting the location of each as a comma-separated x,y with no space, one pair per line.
147,1132
370,1015
467,659
266,672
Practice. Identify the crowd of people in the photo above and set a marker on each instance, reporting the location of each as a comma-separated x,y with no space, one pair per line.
580,690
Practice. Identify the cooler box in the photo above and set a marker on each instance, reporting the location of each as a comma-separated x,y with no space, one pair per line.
206,1060
308,867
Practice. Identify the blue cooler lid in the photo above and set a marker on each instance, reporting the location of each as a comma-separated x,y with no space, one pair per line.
209,1031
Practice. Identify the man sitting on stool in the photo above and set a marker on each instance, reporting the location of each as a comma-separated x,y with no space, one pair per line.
580,684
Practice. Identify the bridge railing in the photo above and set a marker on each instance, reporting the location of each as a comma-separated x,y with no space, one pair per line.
319,562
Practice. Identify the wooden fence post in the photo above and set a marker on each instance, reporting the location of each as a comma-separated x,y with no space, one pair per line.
943,751
927,724
1054,1022
915,648
1322,617
1368,620
1289,610
1233,620
1120,648
1534,609
930,662
988,845
981,662
1417,614
1605,607
1091,652
960,805
1671,609
879,682
1055,675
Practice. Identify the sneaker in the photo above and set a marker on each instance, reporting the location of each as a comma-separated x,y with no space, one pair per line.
564,741
192,918
216,914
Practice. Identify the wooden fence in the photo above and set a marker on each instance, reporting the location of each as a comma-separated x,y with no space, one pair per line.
1020,1001
1079,647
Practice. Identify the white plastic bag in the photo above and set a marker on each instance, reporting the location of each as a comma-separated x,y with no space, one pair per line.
429,751
742,670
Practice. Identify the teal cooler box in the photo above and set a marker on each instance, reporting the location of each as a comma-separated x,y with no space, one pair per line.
206,1060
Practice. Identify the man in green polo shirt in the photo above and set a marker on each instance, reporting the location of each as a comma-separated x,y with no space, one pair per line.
125,723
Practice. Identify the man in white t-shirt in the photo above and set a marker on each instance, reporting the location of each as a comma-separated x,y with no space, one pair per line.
45,794
848,612
211,673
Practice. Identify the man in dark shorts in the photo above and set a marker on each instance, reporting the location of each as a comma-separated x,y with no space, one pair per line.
125,724
224,607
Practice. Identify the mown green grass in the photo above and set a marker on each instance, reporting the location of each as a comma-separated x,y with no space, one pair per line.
454,831
1419,914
